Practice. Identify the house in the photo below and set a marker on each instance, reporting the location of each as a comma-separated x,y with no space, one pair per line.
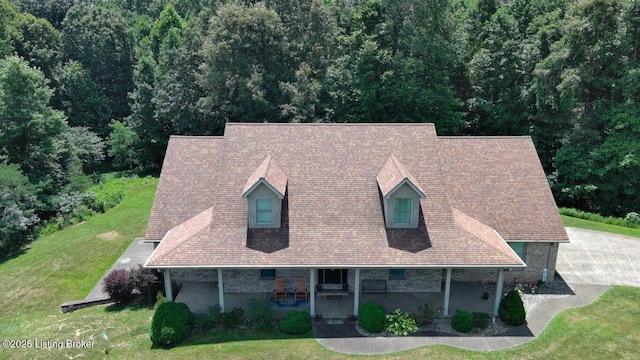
343,205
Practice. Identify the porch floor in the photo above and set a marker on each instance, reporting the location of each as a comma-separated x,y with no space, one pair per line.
199,296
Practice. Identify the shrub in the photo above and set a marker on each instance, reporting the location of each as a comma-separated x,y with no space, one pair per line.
296,323
209,320
233,319
146,282
261,314
511,309
462,321
171,323
425,314
400,323
628,221
118,285
372,317
160,299
633,218
481,319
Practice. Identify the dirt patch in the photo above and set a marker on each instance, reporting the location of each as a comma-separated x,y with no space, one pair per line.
109,235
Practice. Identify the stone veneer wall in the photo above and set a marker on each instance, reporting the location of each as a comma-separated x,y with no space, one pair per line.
537,258
198,275
415,280
249,281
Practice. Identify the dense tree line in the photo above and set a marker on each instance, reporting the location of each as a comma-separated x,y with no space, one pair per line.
91,86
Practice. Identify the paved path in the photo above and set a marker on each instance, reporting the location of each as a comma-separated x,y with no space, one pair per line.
589,264
137,253
599,258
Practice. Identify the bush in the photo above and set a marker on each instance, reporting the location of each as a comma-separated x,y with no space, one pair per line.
629,220
462,321
481,319
372,317
511,309
261,314
296,323
209,320
160,299
118,285
170,324
425,314
633,218
146,282
233,319
400,323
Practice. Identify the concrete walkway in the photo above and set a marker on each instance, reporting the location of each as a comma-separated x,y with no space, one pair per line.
136,254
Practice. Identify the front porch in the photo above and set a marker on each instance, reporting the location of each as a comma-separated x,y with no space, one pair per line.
199,296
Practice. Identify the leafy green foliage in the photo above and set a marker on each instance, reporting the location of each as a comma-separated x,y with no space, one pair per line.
233,319
371,317
511,309
209,320
261,314
481,319
296,323
628,221
462,321
17,202
400,323
170,324
426,314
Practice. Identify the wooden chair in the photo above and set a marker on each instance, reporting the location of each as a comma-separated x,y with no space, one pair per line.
280,291
301,293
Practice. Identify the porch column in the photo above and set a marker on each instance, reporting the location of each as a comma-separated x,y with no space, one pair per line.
167,284
312,292
447,293
220,291
499,283
356,293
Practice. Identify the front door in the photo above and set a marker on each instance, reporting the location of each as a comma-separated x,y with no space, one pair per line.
332,276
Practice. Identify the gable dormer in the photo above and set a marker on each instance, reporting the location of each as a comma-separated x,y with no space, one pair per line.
264,192
401,195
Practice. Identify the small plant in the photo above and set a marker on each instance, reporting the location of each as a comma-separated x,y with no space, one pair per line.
207,321
632,218
400,323
261,314
170,324
118,285
160,299
296,323
372,317
481,319
233,319
462,321
426,314
511,309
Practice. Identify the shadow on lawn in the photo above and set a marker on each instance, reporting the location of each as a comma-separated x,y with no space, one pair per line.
14,255
134,305
224,336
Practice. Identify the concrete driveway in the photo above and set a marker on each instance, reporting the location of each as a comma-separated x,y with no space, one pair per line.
599,258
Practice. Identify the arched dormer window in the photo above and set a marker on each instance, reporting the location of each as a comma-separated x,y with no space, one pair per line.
264,192
401,195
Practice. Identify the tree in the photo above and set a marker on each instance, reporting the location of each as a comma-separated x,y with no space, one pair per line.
121,146
29,128
168,20
245,59
17,209
36,41
98,37
51,10
82,99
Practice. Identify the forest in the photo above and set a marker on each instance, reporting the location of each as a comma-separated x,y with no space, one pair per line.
91,87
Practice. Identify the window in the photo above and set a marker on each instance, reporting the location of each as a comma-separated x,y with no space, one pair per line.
396,273
267,273
264,211
520,248
402,214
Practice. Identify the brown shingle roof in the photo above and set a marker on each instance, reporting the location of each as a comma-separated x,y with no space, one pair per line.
269,172
393,174
332,205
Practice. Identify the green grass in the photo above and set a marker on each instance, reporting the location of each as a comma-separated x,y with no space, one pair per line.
594,225
67,264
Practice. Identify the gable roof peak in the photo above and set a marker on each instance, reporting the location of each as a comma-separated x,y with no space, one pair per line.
270,174
393,175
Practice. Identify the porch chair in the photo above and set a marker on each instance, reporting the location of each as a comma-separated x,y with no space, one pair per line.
280,292
301,293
